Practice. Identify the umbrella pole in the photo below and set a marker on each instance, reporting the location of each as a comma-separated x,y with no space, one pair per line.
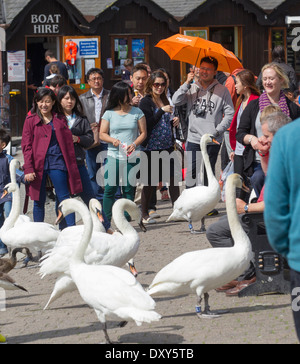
197,59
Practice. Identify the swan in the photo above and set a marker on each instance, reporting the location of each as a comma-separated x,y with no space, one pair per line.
203,270
109,290
116,249
194,203
38,236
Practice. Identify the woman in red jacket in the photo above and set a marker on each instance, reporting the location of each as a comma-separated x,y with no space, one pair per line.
248,91
48,150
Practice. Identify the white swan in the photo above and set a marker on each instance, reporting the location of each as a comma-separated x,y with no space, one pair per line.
203,270
38,236
116,249
194,203
110,291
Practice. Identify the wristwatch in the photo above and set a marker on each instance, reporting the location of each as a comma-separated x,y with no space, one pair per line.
246,208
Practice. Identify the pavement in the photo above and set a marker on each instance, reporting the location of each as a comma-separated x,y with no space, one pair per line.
263,319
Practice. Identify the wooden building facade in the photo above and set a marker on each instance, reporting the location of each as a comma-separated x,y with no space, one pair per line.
131,28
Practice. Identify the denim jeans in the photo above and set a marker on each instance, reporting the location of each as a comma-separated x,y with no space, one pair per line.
88,193
60,183
194,159
257,179
93,166
4,212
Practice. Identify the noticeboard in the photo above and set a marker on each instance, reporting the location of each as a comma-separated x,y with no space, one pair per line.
88,56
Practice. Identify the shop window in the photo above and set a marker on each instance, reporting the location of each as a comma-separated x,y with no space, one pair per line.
135,47
277,36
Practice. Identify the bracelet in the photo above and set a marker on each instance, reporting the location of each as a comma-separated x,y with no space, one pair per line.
134,145
250,139
263,155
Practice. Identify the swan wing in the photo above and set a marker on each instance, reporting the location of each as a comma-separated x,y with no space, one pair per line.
35,235
197,266
110,287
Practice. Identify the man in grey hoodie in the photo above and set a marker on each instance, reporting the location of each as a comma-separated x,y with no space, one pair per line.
209,110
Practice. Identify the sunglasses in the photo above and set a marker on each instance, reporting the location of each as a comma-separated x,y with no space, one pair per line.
157,84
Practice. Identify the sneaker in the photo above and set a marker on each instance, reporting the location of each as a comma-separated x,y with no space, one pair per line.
149,220
213,212
2,339
165,196
154,214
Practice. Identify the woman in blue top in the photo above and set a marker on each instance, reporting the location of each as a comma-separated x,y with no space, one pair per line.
123,127
158,112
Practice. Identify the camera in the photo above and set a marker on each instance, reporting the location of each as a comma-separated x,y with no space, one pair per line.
199,110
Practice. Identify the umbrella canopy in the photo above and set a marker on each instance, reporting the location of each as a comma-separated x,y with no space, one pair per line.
191,50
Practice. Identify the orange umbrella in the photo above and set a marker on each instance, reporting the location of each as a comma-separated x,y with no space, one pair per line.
191,50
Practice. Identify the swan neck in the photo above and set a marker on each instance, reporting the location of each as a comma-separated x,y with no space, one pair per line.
78,255
120,220
236,228
209,172
14,212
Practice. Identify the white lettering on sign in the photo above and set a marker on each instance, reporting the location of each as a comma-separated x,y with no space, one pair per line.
43,23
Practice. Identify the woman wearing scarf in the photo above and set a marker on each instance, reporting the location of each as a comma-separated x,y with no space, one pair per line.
249,131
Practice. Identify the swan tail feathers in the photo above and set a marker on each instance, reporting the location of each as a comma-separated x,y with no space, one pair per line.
138,315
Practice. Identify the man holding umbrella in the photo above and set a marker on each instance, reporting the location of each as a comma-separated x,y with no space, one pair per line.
209,110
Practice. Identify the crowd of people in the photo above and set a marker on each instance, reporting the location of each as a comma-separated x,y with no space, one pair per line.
68,139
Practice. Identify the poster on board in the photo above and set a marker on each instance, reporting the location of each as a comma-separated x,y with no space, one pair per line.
16,66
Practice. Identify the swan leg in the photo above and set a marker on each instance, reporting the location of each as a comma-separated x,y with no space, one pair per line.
107,339
202,229
30,258
207,313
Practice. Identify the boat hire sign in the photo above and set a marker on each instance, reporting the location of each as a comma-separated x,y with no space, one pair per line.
45,23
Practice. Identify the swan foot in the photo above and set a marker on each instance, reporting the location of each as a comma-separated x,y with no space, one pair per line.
207,313
123,323
201,231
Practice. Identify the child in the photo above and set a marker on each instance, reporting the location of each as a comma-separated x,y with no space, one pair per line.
5,203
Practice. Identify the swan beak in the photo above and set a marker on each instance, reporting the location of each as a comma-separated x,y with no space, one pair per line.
5,193
60,216
142,226
133,269
100,216
245,188
215,141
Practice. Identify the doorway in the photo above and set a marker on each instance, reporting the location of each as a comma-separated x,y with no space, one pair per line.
36,48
